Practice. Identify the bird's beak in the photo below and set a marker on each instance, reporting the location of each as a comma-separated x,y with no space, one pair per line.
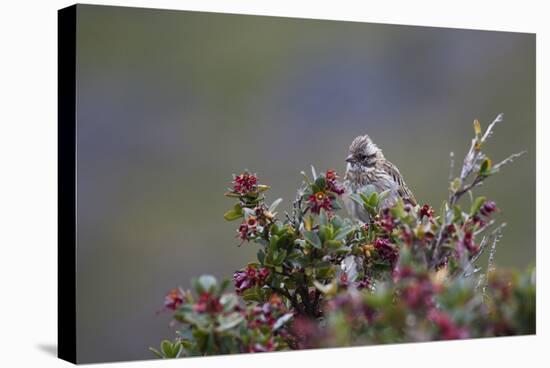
350,159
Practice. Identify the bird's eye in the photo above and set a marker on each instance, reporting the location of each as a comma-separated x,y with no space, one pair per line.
361,157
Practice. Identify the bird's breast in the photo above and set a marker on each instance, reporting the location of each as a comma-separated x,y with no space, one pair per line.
356,180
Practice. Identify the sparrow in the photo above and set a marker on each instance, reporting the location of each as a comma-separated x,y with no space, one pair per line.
366,165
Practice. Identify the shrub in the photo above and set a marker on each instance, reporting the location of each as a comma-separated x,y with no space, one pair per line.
322,280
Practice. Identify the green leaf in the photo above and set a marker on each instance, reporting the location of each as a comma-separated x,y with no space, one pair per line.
343,251
328,289
268,260
273,242
207,282
166,347
274,205
342,233
398,211
252,295
373,199
321,183
371,210
477,127
229,301
229,321
337,222
323,233
261,256
235,213
455,185
281,321
170,350
477,205
364,198
280,257
485,167
324,270
156,352
262,188
334,244
323,217
199,321
313,239
357,199
457,213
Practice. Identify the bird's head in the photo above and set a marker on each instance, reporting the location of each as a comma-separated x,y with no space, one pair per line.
363,152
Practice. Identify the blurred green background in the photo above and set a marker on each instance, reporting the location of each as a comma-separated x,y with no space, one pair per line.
171,103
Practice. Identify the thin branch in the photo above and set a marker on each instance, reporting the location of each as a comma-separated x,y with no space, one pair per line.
508,160
481,281
452,166
459,193
471,161
487,226
473,272
482,246
489,131
474,154
490,263
496,239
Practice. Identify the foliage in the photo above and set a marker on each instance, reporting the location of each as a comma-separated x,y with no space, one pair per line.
322,280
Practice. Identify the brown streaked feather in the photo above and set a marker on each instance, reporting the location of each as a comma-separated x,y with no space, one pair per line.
402,189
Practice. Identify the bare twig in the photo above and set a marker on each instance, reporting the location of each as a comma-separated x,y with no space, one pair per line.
481,281
484,279
473,272
489,131
474,153
452,166
483,229
496,239
465,189
468,163
473,160
482,246
508,160
297,214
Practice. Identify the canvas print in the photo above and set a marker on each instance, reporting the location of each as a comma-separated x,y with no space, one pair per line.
237,184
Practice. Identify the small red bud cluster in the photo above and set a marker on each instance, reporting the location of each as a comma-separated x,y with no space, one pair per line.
245,183
249,277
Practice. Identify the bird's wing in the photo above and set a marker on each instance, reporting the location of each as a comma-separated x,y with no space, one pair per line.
402,188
